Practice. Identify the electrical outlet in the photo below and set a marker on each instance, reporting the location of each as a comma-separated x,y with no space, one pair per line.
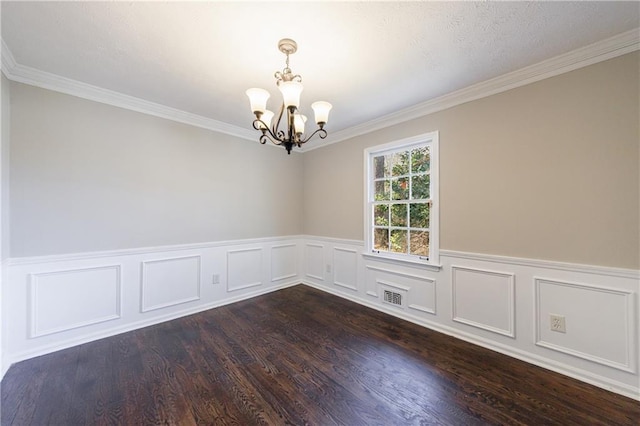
216,278
328,268
557,323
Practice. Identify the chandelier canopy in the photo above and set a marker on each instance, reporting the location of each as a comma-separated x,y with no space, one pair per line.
290,86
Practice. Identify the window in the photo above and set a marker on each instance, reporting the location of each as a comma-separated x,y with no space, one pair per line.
402,199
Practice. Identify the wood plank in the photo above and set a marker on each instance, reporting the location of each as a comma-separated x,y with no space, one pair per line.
297,356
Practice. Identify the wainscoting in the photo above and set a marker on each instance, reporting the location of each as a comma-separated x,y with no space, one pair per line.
54,302
505,304
501,303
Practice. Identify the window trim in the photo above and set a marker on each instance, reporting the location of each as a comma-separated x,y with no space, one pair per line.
431,138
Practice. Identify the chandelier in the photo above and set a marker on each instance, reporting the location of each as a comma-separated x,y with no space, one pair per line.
290,86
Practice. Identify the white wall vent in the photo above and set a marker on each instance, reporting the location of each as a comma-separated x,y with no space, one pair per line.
393,297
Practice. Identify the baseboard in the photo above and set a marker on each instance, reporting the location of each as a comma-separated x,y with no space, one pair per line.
516,296
87,338
567,370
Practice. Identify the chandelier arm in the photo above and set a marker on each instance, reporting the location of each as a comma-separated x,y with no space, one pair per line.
322,133
268,137
276,126
287,136
262,126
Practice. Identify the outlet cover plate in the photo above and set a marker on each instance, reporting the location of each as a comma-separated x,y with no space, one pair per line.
557,323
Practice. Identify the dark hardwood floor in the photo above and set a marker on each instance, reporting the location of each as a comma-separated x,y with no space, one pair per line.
297,356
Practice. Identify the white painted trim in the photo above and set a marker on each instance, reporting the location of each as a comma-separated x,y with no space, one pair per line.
402,274
432,140
394,285
414,277
332,240
558,367
306,273
612,47
247,285
283,277
423,309
67,343
399,262
494,258
32,296
336,282
511,331
629,314
536,263
8,61
547,264
143,265
35,77
600,51
16,261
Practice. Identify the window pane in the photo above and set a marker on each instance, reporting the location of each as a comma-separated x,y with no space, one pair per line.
378,167
420,160
382,190
420,187
420,243
398,241
419,215
400,189
381,215
398,215
381,239
398,163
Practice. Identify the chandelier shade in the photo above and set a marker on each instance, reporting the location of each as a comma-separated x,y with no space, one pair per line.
321,110
293,121
258,99
291,91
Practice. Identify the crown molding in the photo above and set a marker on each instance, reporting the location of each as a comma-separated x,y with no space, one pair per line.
612,47
34,77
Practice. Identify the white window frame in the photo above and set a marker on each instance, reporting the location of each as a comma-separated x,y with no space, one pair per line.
433,261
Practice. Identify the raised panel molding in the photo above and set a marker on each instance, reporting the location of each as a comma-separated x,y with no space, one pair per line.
27,281
345,268
244,268
283,262
421,290
599,322
314,254
169,282
73,298
484,299
395,288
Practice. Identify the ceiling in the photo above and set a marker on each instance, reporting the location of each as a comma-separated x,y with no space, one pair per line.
369,59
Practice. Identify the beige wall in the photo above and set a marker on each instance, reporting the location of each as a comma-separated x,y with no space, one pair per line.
545,171
87,176
4,167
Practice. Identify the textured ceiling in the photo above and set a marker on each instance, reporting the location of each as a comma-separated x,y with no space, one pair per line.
369,59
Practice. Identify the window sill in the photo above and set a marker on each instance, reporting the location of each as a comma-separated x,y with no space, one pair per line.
404,262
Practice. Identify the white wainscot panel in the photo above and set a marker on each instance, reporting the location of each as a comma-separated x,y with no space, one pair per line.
599,322
244,268
68,299
484,299
418,292
169,282
283,262
345,268
314,254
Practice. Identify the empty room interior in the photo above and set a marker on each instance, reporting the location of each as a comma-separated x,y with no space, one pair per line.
443,227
